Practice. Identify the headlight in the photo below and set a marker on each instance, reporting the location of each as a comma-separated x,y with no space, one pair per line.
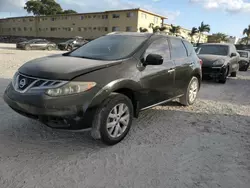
219,62
70,88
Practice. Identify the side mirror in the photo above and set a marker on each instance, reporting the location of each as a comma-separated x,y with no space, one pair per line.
153,59
233,54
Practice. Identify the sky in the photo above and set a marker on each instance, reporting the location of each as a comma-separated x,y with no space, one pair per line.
227,16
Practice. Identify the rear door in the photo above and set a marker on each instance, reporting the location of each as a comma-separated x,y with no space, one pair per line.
184,62
157,80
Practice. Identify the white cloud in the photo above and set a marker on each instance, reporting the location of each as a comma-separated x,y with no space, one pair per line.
11,5
230,6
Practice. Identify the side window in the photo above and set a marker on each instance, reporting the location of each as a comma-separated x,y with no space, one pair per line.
178,49
159,47
189,47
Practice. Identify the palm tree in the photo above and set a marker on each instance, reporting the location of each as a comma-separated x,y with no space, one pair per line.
202,29
193,32
156,28
246,32
175,30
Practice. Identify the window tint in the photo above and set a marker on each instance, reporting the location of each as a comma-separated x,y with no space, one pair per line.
213,50
189,47
159,47
178,49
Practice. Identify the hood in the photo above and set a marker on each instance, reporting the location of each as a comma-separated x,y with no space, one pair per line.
208,59
59,67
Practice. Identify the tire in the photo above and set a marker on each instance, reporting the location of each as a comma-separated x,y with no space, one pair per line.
27,47
49,48
186,99
234,74
223,80
246,69
106,113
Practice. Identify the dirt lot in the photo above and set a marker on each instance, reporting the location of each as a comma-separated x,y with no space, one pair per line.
206,145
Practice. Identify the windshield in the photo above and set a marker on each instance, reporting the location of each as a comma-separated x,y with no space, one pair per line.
213,50
243,54
109,47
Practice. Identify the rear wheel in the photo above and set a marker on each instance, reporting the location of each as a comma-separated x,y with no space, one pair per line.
27,47
113,119
191,93
49,48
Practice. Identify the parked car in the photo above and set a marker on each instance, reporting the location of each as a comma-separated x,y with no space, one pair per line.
71,44
105,83
244,60
36,44
219,60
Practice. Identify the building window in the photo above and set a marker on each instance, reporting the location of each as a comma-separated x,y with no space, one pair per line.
31,19
94,28
115,29
53,29
94,16
30,28
19,29
130,14
53,19
71,29
89,16
106,29
99,16
128,28
82,17
144,16
155,20
40,29
116,16
24,20
90,28
25,28
104,16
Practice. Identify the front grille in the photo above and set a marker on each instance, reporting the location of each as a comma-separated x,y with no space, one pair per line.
23,83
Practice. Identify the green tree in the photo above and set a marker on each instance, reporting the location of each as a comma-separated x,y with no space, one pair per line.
246,32
143,30
175,30
69,12
220,37
193,32
45,7
157,28
202,29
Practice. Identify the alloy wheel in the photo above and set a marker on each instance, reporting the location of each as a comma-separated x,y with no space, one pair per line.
193,91
118,120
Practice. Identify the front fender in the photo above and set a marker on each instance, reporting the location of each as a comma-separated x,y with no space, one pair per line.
114,86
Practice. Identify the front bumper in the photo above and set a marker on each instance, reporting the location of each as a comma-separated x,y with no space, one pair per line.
59,112
213,72
61,47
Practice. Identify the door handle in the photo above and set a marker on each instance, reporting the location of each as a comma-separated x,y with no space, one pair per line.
171,70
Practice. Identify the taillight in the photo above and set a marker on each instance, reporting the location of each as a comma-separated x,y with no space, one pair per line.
201,62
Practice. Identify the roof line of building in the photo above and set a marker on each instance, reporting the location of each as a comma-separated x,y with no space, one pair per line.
104,12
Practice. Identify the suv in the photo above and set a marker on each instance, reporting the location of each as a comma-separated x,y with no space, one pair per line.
71,44
105,83
219,60
244,60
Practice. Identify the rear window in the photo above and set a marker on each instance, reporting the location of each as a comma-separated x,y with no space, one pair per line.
178,49
213,50
189,47
243,54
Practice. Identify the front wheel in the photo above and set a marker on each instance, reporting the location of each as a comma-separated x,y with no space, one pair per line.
49,48
27,47
191,93
113,119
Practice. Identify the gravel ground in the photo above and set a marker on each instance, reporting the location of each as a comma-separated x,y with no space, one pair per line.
206,145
